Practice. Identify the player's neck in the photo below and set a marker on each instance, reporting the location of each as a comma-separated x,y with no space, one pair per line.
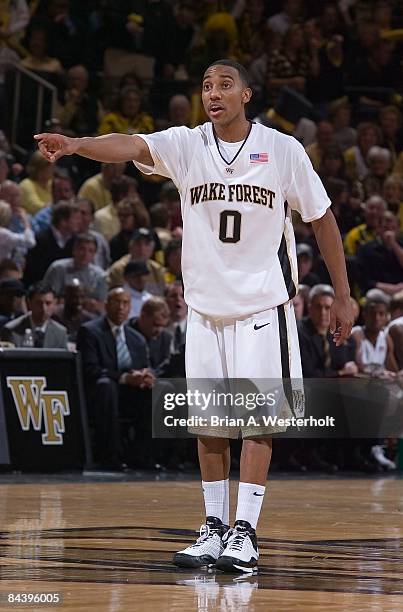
235,131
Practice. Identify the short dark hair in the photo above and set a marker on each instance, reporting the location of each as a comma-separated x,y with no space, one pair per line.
120,187
39,288
62,211
243,73
90,203
81,238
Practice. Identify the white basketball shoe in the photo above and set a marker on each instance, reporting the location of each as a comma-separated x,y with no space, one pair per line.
241,552
207,548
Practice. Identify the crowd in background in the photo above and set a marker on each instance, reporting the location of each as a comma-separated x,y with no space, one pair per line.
90,254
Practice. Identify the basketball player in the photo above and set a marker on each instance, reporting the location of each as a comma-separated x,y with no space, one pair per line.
238,182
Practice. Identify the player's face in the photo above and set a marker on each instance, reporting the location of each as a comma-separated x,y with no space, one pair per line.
376,317
224,94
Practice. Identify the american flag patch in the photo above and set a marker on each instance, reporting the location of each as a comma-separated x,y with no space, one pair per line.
259,158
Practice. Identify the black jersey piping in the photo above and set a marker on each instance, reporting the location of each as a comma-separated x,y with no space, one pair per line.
229,163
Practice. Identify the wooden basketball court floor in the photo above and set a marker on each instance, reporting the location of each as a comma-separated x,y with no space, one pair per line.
326,544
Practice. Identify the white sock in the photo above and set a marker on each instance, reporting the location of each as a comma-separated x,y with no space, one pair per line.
250,498
225,512
214,496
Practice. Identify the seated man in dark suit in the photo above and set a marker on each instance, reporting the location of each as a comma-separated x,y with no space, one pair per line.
319,355
321,358
117,375
151,324
36,329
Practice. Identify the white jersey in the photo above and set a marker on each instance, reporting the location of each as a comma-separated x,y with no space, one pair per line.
238,247
370,354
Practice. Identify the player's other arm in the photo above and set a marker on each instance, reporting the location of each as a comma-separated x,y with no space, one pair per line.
330,245
111,148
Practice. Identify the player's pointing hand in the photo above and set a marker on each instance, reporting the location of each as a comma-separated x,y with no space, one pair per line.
54,146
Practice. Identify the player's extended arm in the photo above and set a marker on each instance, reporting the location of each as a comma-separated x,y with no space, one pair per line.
109,148
330,245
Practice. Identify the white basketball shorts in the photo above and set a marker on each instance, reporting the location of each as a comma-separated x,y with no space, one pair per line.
260,347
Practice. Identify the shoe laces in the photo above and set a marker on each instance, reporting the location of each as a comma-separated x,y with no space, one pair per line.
205,532
236,538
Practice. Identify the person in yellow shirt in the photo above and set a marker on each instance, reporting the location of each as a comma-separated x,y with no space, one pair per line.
36,190
128,118
374,208
96,189
106,219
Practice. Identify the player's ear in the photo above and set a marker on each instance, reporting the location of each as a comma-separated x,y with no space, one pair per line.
246,95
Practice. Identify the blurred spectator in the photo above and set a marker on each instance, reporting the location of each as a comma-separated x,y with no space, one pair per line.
97,187
128,118
4,167
182,37
178,315
12,292
298,303
173,261
289,65
38,59
11,193
151,324
71,314
14,18
36,190
10,241
332,163
62,189
159,216
380,261
117,375
131,213
141,248
376,72
291,13
326,81
338,193
324,139
135,276
106,219
53,243
80,111
102,256
169,196
390,120
393,194
305,263
80,266
368,135
374,349
395,327
43,332
179,113
340,117
379,163
374,208
67,36
9,270
319,355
